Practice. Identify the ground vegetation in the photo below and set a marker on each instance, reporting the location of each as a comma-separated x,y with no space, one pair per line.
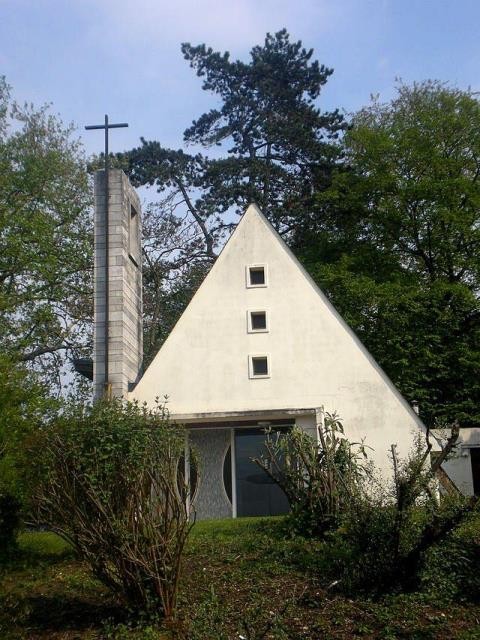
107,480
245,574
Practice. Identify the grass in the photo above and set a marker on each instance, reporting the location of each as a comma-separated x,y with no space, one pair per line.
44,545
243,578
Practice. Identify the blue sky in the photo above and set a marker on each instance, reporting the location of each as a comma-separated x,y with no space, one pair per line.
122,57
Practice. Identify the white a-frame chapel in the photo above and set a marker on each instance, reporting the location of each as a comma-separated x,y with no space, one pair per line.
259,344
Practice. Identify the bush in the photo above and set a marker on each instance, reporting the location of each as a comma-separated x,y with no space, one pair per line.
451,569
363,556
376,537
383,542
320,479
9,524
108,484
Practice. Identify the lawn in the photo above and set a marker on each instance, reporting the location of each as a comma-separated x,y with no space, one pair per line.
243,579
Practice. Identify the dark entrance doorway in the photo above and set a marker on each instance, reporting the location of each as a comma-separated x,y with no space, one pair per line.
257,494
475,458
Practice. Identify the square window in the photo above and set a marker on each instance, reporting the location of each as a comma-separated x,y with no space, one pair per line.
258,320
256,275
259,366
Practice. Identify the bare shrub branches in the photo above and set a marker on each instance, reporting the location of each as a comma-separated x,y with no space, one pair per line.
108,485
388,534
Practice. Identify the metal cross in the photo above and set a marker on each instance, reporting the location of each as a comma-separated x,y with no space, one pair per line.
106,126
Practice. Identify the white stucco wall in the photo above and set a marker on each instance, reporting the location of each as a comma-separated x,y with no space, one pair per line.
315,359
459,466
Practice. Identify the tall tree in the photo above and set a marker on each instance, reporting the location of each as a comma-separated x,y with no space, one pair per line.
280,142
45,238
273,145
396,243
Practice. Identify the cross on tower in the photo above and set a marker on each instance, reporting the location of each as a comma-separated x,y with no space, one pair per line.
106,126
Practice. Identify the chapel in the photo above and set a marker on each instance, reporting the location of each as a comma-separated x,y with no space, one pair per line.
258,346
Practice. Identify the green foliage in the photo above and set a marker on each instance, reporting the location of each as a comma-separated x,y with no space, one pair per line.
281,143
208,620
45,274
9,524
376,537
422,335
45,238
383,542
261,619
321,479
238,570
168,285
450,569
359,558
24,405
135,630
107,483
395,241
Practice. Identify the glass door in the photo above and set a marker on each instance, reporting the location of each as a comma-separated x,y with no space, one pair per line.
257,494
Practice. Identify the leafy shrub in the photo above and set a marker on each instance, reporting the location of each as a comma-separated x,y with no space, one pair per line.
9,524
362,555
451,569
320,479
383,542
108,484
376,537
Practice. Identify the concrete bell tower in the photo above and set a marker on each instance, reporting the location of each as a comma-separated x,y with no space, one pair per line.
118,326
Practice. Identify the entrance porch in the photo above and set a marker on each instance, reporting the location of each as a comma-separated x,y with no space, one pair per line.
227,482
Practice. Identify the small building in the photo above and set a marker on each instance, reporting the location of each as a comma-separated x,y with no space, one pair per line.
259,345
463,468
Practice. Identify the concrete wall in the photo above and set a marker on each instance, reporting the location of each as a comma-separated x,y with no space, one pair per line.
459,467
308,424
315,359
125,285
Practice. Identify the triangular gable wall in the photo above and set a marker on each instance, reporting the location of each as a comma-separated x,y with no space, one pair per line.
315,358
